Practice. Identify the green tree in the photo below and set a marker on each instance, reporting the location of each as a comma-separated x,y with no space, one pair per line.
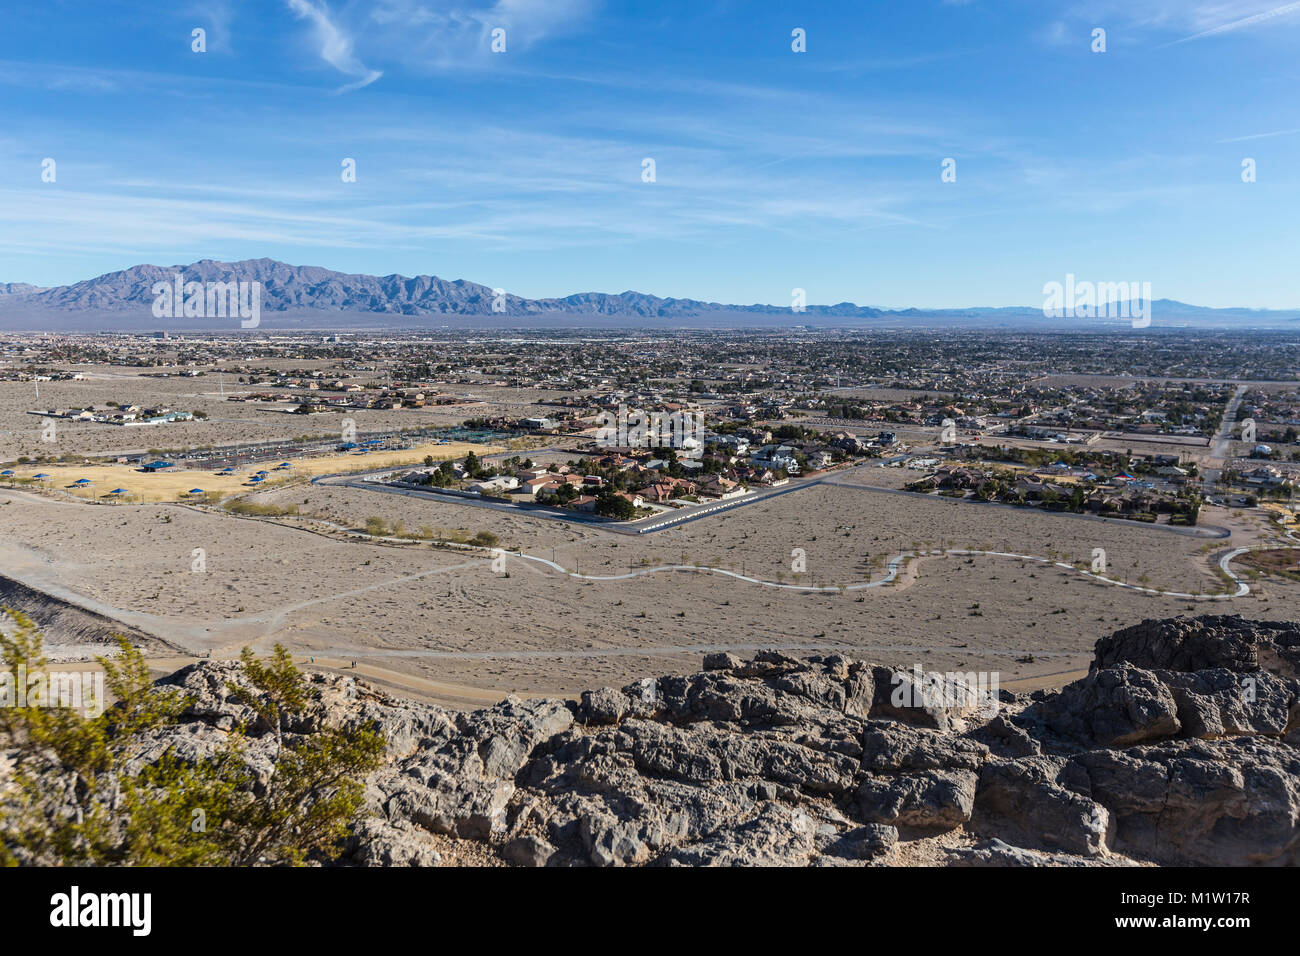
70,804
94,790
314,789
615,506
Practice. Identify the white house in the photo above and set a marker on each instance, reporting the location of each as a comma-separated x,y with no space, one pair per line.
493,486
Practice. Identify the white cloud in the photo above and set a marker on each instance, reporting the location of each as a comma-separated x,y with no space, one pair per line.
336,46
1195,19
1242,22
1276,132
453,33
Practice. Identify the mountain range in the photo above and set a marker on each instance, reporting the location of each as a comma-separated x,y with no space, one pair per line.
125,299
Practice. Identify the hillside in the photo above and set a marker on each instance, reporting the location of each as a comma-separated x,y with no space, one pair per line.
1178,748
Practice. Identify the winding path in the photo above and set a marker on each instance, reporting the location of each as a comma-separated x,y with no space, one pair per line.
897,562
895,565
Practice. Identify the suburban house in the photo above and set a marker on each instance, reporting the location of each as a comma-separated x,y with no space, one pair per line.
719,487
818,460
492,486
531,486
658,492
777,456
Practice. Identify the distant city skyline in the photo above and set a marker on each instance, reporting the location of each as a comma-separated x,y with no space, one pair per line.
772,169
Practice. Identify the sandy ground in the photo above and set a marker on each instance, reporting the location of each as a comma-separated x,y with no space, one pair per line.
228,422
443,624
179,483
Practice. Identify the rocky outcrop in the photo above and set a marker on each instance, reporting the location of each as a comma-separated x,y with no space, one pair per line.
1205,643
1228,802
1177,748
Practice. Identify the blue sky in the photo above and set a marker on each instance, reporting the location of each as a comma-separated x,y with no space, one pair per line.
774,169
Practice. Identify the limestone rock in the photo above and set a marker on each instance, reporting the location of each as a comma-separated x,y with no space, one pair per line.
1204,643
1023,801
528,850
1112,707
1178,748
929,798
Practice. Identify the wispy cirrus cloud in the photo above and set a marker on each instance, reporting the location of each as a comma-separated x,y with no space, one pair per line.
1252,136
1254,19
336,45
1198,19
442,35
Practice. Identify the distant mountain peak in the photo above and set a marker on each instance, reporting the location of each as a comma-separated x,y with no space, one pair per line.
314,289
289,288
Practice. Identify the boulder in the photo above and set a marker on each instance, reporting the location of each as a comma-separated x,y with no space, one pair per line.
1022,802
928,798
1113,707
